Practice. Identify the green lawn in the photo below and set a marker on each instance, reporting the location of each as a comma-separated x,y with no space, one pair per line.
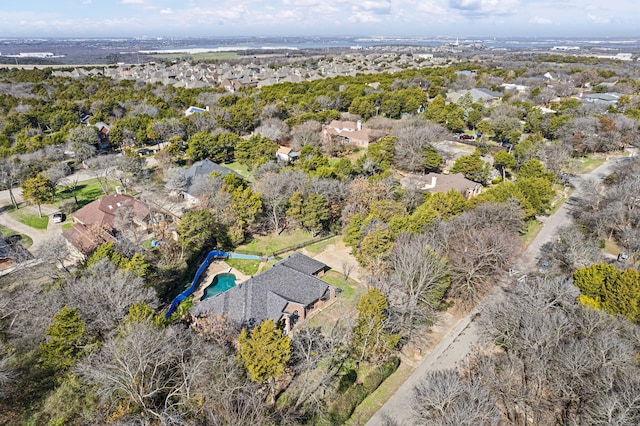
350,289
240,168
265,245
587,164
86,192
25,240
29,218
246,266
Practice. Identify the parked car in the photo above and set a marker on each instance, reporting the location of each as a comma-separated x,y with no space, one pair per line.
57,217
467,137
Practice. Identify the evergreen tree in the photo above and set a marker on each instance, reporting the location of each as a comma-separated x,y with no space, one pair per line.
605,287
264,352
296,207
316,213
371,339
66,339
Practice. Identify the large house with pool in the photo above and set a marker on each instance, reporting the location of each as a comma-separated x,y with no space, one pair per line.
288,292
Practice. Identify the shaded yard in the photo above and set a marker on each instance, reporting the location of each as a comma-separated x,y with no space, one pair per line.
86,192
25,240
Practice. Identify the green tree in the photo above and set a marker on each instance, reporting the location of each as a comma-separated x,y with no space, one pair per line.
472,167
371,338
264,352
37,190
246,205
503,161
65,340
217,148
374,247
197,229
432,159
605,287
255,150
316,213
296,207
534,169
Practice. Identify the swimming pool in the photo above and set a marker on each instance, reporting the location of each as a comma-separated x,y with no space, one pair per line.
220,284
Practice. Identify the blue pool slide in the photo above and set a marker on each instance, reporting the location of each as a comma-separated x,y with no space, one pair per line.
214,254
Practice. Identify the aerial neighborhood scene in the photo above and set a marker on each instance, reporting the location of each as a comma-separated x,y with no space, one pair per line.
293,212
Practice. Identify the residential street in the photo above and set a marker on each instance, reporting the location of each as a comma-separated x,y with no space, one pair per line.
38,236
455,346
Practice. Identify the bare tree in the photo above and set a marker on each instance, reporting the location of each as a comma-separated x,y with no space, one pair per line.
275,190
104,294
419,277
274,129
149,367
414,139
445,398
55,250
307,133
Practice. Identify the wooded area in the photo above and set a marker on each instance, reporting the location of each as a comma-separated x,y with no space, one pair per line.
89,343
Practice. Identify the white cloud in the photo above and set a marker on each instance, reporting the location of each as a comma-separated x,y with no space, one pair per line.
166,11
540,21
486,7
598,19
132,1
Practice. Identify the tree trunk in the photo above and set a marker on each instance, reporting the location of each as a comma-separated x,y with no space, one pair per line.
13,199
39,210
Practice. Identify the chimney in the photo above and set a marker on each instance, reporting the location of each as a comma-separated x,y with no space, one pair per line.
359,124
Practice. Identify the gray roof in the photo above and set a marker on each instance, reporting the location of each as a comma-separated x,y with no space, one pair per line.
205,168
266,295
302,263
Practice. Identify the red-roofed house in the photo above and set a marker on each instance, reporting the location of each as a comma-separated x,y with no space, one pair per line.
93,224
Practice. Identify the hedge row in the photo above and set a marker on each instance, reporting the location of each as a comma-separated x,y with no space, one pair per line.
347,402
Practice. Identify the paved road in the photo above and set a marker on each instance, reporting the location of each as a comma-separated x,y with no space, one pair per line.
458,343
38,236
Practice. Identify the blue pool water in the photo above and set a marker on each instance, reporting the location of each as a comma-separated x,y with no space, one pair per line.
220,284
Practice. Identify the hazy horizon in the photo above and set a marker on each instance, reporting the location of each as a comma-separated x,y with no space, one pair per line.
304,18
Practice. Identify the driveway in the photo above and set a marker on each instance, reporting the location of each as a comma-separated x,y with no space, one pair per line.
459,341
338,257
37,235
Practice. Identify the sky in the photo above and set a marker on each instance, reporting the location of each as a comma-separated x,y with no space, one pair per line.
401,18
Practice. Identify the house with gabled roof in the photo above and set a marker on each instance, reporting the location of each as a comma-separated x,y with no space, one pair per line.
288,292
201,170
93,224
350,133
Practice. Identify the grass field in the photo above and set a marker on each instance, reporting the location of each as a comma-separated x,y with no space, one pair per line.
265,245
240,168
29,218
86,192
246,266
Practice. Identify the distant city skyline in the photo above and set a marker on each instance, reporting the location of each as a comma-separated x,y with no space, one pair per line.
402,18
